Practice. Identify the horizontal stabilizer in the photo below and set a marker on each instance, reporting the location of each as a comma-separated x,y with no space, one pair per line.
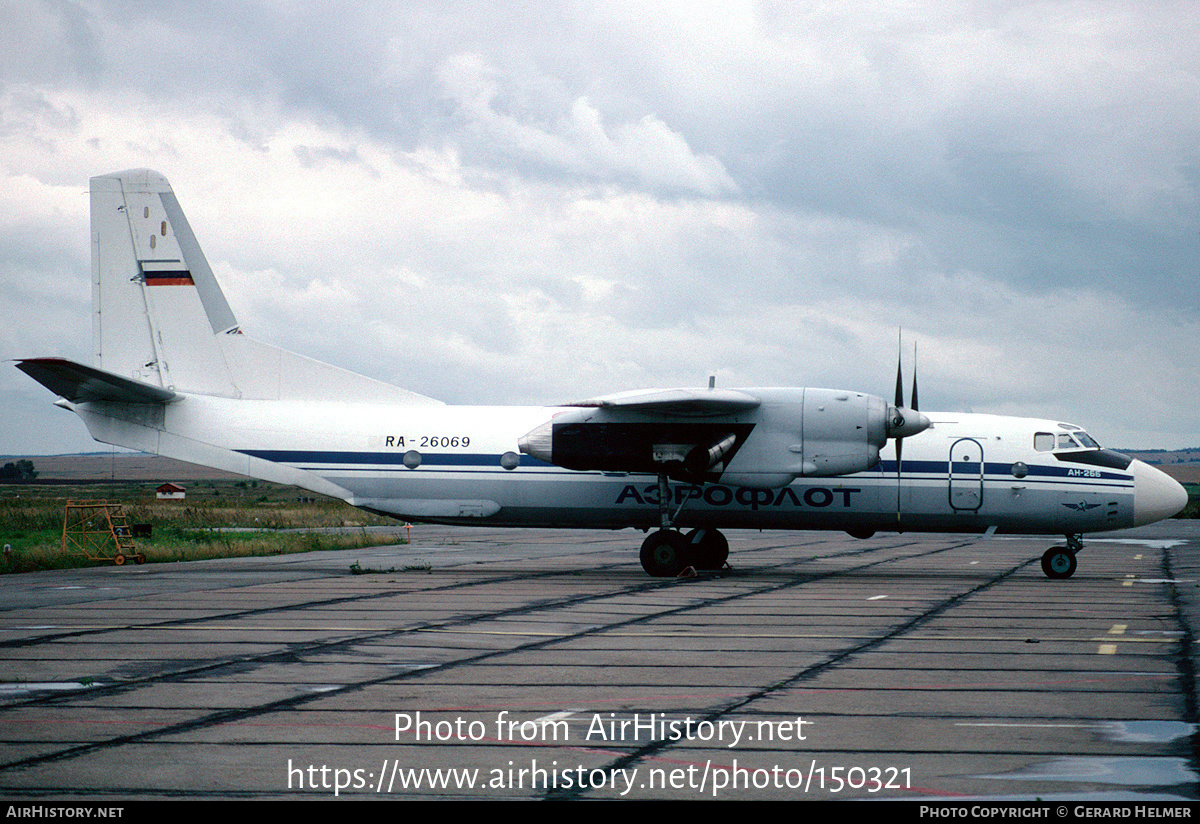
84,384
697,402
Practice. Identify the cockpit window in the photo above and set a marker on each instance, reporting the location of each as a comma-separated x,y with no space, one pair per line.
1079,448
1096,457
1048,441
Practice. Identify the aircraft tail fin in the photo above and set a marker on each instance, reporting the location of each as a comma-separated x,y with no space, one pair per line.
159,316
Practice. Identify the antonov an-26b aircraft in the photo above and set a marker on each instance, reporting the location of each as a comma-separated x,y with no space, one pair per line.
174,375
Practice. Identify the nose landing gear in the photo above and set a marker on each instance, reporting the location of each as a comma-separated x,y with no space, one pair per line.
1059,561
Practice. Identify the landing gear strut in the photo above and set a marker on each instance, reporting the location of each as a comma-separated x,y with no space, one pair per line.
666,552
1059,561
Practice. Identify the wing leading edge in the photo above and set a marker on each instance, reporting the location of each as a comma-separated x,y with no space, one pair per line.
683,402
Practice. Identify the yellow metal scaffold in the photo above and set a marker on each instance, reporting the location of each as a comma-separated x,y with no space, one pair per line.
99,531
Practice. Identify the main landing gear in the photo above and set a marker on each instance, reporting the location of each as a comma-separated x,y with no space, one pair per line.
1059,561
667,552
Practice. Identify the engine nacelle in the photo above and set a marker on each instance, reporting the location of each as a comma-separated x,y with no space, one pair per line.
810,432
788,434
620,441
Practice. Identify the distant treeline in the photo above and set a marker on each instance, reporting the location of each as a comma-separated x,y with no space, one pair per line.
63,481
1189,450
21,471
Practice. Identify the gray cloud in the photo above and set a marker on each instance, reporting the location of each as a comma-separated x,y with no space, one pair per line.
537,202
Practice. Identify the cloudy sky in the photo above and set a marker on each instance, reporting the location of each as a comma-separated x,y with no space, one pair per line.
536,202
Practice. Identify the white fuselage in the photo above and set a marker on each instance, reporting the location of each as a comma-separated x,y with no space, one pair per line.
966,473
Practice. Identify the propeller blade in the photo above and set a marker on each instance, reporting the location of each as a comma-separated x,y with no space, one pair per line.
915,407
905,421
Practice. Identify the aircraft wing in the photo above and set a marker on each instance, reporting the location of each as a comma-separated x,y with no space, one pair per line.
684,402
83,384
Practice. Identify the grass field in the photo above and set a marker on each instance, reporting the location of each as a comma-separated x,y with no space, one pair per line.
219,518
1192,510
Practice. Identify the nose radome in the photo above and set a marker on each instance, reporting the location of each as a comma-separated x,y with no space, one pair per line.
1156,495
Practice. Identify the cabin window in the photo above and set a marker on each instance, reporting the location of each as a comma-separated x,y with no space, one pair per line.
1067,442
1043,441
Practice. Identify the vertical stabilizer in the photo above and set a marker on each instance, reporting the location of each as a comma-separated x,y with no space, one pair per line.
157,307
159,315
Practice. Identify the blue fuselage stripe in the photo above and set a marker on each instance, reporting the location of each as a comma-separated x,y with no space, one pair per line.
384,459
913,470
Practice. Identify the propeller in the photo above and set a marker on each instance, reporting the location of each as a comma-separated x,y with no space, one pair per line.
904,421
914,392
